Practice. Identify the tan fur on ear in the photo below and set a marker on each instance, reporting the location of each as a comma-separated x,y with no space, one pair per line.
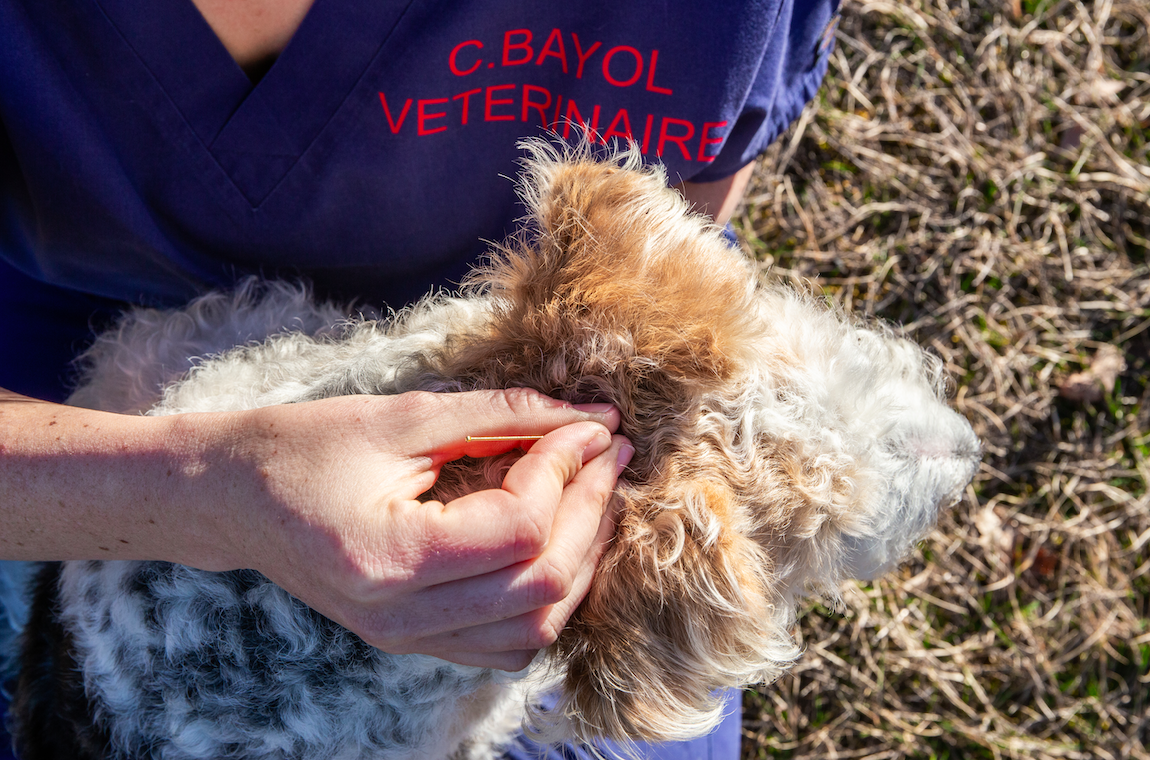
589,306
598,253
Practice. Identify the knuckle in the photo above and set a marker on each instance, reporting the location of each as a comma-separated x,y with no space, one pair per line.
418,404
387,632
360,573
542,634
551,583
524,401
532,533
599,486
382,624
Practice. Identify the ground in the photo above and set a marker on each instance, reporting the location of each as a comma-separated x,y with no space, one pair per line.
978,172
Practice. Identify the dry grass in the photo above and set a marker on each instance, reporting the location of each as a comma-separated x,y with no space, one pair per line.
978,171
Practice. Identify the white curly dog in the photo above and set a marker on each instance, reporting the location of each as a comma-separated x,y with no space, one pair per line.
781,448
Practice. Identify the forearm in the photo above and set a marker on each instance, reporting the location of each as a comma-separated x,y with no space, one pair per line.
720,199
81,484
322,497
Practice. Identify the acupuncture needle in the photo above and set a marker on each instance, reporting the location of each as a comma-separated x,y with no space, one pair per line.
472,438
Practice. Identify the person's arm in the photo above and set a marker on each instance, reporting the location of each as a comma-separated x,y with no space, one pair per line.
718,199
322,498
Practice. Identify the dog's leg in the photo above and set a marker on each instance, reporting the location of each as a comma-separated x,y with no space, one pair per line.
52,717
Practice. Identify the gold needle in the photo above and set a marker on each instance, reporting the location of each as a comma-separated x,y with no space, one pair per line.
471,438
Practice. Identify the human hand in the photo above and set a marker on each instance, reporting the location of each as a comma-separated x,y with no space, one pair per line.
321,497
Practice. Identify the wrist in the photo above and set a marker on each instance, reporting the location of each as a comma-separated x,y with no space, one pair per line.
204,486
83,484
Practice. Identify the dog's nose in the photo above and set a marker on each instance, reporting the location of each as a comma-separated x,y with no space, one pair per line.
927,461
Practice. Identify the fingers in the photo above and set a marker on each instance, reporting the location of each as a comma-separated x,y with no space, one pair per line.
485,579
605,531
515,411
495,644
532,630
525,606
490,530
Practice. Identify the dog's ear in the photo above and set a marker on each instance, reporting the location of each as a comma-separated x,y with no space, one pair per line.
611,250
681,607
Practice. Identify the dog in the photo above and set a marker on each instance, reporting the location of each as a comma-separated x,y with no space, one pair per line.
781,448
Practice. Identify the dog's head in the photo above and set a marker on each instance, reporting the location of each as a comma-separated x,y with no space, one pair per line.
780,447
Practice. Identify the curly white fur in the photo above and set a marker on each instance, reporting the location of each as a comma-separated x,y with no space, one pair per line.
780,449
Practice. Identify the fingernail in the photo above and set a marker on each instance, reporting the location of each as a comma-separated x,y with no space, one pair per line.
596,446
600,408
626,451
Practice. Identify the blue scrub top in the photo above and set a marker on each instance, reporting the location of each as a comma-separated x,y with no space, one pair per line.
139,164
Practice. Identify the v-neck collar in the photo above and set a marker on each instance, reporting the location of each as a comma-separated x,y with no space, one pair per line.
257,132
